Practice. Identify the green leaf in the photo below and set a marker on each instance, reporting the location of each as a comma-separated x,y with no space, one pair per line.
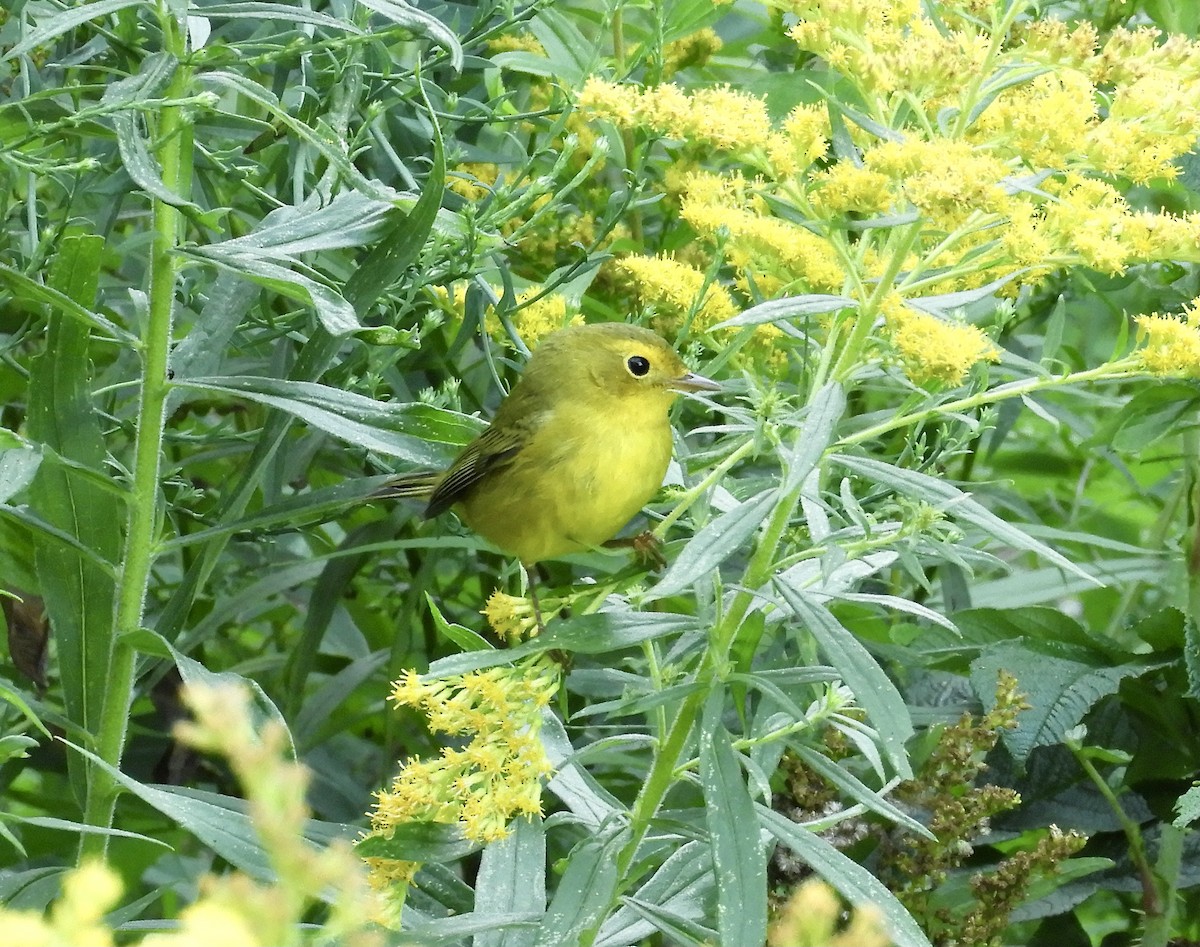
78,591
872,688
397,430
586,891
64,21
421,23
958,505
682,885
1187,808
23,287
848,877
153,76
824,411
419,842
407,233
220,822
716,542
779,310
852,786
739,857
1061,683
585,634
17,469
1153,412
512,880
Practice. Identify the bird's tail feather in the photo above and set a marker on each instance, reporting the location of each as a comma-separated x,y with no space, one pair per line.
410,485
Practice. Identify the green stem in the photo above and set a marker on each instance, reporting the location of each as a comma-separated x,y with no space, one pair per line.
1151,897
140,535
694,493
850,359
1110,371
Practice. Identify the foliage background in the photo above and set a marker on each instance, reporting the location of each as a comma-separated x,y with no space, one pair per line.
258,256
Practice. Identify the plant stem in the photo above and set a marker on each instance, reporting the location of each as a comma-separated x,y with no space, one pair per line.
1110,371
139,548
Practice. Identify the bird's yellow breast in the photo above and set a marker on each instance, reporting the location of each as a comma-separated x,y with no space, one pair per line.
577,481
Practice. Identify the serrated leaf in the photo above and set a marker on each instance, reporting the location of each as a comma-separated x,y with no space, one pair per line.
1187,808
1061,684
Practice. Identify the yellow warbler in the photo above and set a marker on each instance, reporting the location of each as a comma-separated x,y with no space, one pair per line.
576,449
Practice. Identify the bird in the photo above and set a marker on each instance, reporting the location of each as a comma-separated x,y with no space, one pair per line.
576,449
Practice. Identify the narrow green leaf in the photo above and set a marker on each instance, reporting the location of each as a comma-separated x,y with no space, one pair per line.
586,891
153,76
815,435
958,505
847,876
857,790
681,929
739,857
400,246
420,22
77,590
779,310
512,880
462,636
682,885
419,842
333,411
716,542
288,12
24,288
872,688
65,21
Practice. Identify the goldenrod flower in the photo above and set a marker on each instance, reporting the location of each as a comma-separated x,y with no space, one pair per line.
1172,345
674,289
934,350
492,779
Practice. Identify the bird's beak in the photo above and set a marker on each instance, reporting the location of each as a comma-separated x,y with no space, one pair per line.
693,382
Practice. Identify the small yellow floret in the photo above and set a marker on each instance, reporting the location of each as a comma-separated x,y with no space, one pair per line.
1172,345
935,350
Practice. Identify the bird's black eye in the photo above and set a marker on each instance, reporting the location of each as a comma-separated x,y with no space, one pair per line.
637,365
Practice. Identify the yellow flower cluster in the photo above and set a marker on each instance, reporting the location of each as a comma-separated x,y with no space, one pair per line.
935,351
473,181
232,910
954,185
695,49
718,116
677,292
513,618
536,315
1170,345
495,777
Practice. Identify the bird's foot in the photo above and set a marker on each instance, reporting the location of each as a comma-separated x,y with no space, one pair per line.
646,547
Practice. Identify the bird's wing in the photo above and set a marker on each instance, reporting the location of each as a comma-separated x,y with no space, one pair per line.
494,448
